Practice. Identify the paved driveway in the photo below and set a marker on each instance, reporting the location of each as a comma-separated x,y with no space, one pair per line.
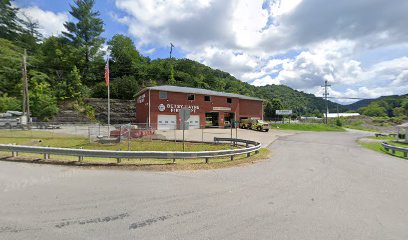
315,186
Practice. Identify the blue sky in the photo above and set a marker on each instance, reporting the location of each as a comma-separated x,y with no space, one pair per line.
361,49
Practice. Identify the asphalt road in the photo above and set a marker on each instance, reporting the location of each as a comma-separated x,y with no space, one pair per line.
315,186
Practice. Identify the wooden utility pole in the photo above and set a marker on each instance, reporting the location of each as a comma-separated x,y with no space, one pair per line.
26,98
326,94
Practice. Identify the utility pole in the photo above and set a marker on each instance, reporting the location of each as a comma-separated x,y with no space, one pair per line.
171,49
326,94
26,98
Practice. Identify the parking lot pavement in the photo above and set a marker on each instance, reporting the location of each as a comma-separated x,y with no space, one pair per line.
208,134
315,186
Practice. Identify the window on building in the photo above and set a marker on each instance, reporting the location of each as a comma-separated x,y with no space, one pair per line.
229,100
190,97
162,95
207,98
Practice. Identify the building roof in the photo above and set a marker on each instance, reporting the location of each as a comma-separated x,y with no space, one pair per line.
201,91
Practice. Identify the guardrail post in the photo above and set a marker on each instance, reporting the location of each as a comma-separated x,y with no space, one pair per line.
174,160
232,157
118,160
393,151
13,153
405,154
80,158
206,160
46,155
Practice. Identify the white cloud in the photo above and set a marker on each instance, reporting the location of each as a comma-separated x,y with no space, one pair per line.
50,23
293,42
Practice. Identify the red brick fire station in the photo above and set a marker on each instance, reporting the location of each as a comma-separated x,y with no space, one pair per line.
159,106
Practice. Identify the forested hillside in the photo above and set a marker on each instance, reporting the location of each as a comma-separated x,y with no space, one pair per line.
71,67
386,106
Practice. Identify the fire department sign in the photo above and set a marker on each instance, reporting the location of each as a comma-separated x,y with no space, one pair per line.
162,107
175,108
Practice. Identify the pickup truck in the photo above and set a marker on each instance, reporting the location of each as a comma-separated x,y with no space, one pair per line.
9,122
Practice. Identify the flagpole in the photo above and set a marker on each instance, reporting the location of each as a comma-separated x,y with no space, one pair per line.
108,98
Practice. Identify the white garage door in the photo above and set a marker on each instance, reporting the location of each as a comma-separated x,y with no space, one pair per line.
166,122
194,121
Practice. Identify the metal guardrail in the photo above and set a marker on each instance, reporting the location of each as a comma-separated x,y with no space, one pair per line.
81,153
393,149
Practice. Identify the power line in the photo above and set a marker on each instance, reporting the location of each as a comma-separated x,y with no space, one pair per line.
356,98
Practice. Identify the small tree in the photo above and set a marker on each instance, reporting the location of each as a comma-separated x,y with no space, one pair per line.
9,103
74,84
43,103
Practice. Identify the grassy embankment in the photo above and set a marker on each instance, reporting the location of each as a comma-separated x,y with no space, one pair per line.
308,127
376,146
44,138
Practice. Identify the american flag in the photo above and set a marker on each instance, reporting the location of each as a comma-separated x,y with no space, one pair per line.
107,73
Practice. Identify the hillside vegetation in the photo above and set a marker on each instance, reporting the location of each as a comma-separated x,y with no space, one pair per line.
71,67
386,107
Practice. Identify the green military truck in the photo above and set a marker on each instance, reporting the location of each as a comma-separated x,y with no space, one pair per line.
254,124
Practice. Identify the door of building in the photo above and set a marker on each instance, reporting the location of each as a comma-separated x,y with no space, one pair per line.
194,121
166,122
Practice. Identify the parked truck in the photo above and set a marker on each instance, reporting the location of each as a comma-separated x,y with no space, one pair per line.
9,120
255,124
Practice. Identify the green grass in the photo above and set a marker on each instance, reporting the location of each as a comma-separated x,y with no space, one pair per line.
359,127
376,146
384,138
399,144
32,138
43,138
308,127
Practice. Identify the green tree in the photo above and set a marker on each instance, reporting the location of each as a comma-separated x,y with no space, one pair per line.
30,34
43,103
125,59
271,107
74,84
373,110
10,68
172,80
124,87
9,103
85,35
10,26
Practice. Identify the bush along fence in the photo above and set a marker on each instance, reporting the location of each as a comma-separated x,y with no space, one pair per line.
248,148
395,149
